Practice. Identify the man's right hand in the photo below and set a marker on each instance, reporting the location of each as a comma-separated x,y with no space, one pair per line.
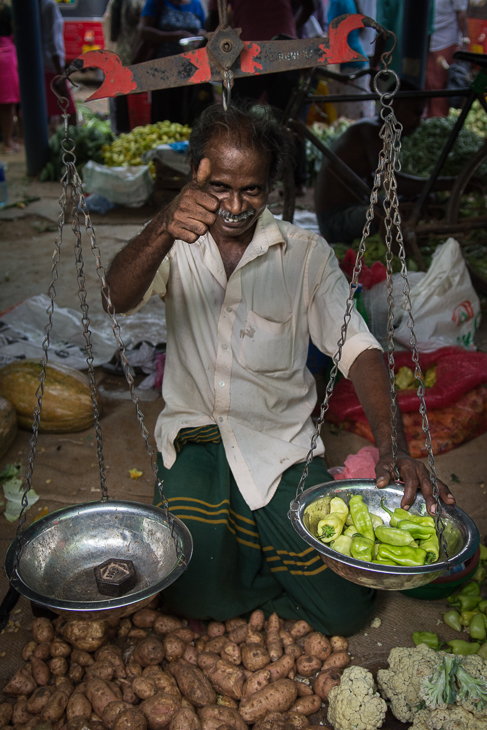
194,210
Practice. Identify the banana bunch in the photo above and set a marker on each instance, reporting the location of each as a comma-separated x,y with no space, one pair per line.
128,149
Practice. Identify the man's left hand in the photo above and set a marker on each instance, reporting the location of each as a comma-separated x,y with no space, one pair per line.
415,476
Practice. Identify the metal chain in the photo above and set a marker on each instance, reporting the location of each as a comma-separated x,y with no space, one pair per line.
101,272
56,257
391,133
385,176
374,199
85,320
71,181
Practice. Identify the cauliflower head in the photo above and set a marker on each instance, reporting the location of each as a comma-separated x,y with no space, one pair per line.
401,683
452,717
355,704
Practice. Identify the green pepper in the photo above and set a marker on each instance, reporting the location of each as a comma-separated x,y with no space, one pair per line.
464,648
466,616
403,555
330,527
350,531
376,520
342,544
362,548
453,620
480,574
426,637
470,589
432,547
419,532
349,521
338,506
483,606
383,561
465,603
402,514
393,536
483,651
476,627
361,517
483,554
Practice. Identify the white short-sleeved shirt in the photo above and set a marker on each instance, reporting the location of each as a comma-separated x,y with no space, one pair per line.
447,33
237,348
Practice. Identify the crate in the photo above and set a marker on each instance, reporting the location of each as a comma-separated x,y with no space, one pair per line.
167,178
139,107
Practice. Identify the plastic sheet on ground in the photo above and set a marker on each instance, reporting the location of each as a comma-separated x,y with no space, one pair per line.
22,332
131,186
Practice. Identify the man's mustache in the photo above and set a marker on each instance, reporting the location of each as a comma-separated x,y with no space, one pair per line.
226,215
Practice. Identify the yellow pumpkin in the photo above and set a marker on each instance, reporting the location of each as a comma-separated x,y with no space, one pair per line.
66,403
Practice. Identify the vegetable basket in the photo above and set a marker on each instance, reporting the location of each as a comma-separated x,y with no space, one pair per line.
461,535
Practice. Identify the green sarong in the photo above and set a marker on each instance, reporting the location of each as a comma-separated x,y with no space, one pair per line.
243,560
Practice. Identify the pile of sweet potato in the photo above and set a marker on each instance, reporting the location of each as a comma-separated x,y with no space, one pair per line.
153,671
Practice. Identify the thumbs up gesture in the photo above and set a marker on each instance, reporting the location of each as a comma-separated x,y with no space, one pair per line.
194,210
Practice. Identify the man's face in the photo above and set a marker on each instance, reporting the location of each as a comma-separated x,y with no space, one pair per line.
240,180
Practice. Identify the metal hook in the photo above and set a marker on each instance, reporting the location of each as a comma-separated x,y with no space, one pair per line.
63,101
227,89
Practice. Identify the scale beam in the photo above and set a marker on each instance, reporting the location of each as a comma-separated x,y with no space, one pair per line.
225,57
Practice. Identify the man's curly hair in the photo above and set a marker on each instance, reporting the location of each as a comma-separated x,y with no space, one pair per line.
247,123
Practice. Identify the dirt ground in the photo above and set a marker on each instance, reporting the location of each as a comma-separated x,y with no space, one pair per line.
66,470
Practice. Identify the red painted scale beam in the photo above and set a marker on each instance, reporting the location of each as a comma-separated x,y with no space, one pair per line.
196,67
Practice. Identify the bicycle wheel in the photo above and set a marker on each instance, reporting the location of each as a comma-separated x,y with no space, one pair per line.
468,204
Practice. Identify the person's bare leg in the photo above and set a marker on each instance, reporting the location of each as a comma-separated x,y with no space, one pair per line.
7,113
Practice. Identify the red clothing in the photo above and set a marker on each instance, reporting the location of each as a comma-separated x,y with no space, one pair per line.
437,78
51,99
261,20
9,77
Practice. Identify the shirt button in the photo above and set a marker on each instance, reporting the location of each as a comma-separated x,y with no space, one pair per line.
222,383
224,347
220,418
229,309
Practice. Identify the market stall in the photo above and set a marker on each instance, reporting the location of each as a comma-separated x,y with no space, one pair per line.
122,662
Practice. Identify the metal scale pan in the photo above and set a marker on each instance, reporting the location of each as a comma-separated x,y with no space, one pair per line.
461,535
457,534
62,550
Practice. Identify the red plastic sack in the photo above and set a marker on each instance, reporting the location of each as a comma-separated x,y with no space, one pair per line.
457,372
449,427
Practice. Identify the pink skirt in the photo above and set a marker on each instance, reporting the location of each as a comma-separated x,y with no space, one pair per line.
9,75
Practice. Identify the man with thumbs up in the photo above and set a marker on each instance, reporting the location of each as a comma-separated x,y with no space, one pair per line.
243,294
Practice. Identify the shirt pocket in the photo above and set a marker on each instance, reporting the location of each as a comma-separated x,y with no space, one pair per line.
267,346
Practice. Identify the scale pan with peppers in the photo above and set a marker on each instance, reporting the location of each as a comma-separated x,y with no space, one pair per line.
460,534
451,537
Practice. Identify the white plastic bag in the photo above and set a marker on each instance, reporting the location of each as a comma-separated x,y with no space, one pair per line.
131,186
444,304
